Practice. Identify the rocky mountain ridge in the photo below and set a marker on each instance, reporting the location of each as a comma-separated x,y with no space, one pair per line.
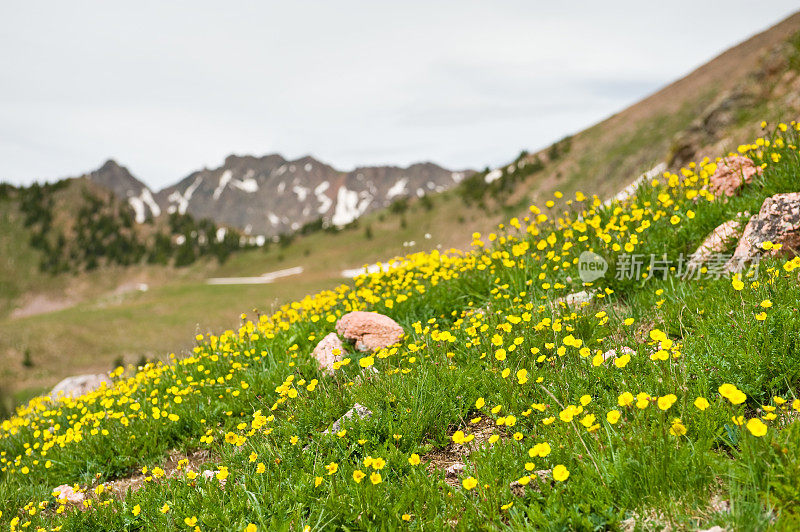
271,195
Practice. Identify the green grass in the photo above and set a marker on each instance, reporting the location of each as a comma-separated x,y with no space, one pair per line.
482,341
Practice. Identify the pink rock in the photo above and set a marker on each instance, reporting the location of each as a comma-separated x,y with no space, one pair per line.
778,221
369,330
715,243
324,352
732,173
68,494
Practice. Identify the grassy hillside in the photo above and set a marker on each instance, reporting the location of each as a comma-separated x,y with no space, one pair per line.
692,423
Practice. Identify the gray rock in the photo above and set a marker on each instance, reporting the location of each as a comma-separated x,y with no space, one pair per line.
362,412
79,385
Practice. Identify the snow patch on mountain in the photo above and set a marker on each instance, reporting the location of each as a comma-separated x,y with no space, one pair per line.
349,206
493,176
223,182
324,201
397,189
182,200
142,203
301,192
246,185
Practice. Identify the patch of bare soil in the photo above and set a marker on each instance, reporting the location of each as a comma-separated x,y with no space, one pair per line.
176,465
40,304
451,459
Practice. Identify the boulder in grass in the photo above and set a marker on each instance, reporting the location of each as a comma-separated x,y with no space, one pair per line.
777,222
79,385
369,330
714,243
732,174
326,352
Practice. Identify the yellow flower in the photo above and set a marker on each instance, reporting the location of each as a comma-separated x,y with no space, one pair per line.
358,475
469,483
190,521
613,416
622,361
701,403
540,449
480,402
250,528
406,517
666,402
317,481
677,428
366,362
165,508
332,468
414,459
560,473
756,427
732,393
737,283
375,478
136,510
625,399
260,468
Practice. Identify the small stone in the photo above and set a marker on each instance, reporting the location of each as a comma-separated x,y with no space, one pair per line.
732,173
323,352
358,410
543,475
575,299
455,469
68,494
716,528
369,330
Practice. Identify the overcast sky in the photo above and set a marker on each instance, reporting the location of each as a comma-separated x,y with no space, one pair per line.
169,87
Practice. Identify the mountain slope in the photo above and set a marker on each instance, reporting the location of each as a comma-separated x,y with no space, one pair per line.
121,182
